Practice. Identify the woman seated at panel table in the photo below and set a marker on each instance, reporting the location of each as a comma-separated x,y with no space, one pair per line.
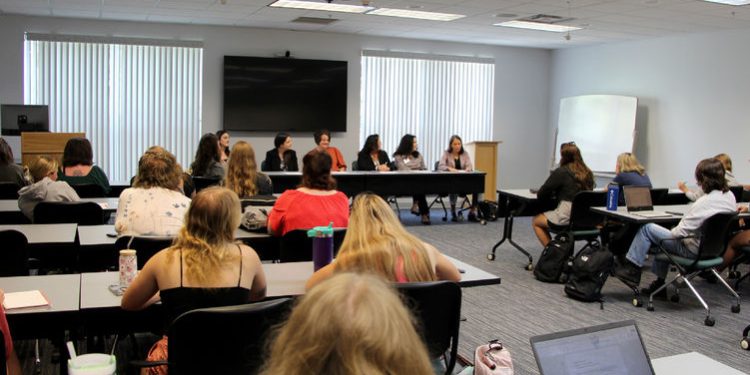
315,203
207,163
371,157
323,140
407,158
155,205
350,324
562,185
456,159
10,171
46,187
376,242
726,161
203,268
12,364
78,166
223,137
281,158
242,173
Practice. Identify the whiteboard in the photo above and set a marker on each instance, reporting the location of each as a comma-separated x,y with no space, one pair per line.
602,126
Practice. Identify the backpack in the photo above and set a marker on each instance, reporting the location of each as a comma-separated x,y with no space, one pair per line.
553,262
492,359
255,219
589,272
488,210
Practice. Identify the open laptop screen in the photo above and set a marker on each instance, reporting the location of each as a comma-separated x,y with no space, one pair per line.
609,349
638,198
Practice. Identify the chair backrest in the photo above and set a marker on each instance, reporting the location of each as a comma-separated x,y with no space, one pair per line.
737,191
295,246
263,166
81,213
145,247
224,340
8,190
204,182
437,307
581,216
14,258
437,165
714,234
659,196
355,165
89,190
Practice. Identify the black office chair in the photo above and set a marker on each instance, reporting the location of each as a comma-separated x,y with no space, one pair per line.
263,166
713,236
355,166
201,183
9,190
295,246
81,213
659,196
737,191
584,224
742,257
437,307
14,258
222,340
89,190
144,246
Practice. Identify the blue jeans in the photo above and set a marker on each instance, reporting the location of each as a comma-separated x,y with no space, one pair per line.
649,235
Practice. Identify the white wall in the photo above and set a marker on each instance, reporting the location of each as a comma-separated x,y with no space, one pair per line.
521,97
693,90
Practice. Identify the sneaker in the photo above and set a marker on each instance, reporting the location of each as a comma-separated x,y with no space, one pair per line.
453,216
627,272
656,284
708,276
473,217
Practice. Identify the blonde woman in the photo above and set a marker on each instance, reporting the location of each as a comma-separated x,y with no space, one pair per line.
349,324
630,172
242,173
45,187
376,242
203,268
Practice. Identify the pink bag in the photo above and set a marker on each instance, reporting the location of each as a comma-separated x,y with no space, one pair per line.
492,359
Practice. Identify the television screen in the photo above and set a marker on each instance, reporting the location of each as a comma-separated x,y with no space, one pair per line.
17,118
284,94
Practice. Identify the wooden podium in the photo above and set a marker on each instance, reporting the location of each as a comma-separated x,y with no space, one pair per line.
35,144
484,156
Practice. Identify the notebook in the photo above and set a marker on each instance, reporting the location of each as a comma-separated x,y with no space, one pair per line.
17,300
608,349
638,202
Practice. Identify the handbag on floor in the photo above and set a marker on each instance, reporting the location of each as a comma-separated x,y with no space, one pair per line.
492,359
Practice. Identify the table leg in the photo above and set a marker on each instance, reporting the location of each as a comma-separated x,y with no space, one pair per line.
508,234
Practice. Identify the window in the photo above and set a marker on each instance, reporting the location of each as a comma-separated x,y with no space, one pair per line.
432,97
125,94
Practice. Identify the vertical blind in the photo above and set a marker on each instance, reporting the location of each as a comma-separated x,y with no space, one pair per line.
126,97
431,97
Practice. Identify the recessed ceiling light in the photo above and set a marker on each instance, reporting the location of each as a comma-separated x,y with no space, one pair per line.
316,5
538,26
405,13
504,15
730,2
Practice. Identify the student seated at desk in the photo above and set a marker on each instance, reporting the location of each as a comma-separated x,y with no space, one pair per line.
12,365
78,165
242,173
46,188
203,268
726,161
376,242
349,324
207,163
716,199
630,172
562,185
10,171
223,137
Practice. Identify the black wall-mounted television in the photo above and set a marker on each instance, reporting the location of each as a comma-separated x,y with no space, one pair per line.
284,94
17,118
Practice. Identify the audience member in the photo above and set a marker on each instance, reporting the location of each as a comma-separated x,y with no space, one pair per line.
726,161
281,158
78,165
323,140
223,137
12,364
10,171
315,203
407,158
155,205
350,324
456,159
46,187
203,268
376,242
371,157
242,173
207,162
630,172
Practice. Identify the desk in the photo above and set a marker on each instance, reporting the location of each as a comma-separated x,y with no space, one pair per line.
692,363
622,214
523,197
37,234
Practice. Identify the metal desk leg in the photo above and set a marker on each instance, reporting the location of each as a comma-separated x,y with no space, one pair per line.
508,235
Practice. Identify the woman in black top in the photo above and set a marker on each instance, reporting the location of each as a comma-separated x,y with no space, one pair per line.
207,162
281,158
562,185
371,157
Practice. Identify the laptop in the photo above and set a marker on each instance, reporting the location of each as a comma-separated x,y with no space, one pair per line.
608,349
638,202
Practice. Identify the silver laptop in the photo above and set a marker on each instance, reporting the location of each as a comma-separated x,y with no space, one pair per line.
638,202
608,349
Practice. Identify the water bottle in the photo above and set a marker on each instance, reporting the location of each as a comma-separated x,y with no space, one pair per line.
613,195
128,267
322,245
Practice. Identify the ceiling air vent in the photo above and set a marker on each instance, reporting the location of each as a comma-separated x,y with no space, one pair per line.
545,18
315,20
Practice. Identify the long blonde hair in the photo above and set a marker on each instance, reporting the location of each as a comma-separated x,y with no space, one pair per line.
204,240
725,160
42,167
242,170
349,324
376,241
629,163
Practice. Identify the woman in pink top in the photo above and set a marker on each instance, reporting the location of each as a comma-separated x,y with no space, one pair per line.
315,203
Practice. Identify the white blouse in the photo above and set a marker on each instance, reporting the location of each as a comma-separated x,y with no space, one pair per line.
150,212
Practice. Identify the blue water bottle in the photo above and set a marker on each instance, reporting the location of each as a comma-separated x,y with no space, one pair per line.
613,195
322,245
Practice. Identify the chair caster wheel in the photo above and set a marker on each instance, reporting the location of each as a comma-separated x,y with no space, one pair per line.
650,307
491,256
675,298
709,321
745,343
483,222
637,302
529,267
736,309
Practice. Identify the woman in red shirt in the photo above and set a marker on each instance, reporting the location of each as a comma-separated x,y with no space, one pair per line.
315,203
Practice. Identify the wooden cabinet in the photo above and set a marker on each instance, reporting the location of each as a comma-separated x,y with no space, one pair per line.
35,144
484,156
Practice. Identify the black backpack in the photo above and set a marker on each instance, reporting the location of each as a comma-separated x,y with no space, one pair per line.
488,210
589,272
552,263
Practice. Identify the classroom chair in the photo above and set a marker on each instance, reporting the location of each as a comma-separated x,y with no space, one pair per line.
742,257
89,190
81,213
14,258
737,191
201,183
8,190
584,224
144,246
295,246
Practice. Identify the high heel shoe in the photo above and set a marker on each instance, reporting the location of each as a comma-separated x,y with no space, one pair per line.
415,209
426,220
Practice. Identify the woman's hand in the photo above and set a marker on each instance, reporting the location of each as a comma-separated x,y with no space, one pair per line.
681,185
